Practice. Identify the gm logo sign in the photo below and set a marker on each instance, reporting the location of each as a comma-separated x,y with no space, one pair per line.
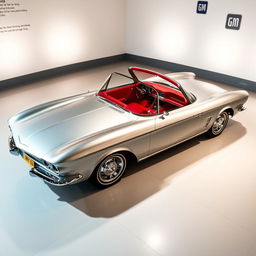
202,7
233,21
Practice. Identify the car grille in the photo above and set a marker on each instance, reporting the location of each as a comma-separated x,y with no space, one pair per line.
41,165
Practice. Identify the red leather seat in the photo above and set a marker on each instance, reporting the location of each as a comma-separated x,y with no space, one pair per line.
139,109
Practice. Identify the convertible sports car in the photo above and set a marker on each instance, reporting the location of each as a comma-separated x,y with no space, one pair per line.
95,135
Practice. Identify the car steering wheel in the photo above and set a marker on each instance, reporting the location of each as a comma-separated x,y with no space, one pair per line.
153,102
141,91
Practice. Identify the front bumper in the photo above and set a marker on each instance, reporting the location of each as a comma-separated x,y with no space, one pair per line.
48,175
54,181
12,147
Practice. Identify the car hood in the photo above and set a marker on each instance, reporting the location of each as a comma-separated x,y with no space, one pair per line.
45,128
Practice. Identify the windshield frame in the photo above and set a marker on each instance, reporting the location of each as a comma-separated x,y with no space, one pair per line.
132,71
106,82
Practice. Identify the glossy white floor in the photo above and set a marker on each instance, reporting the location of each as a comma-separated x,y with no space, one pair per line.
196,199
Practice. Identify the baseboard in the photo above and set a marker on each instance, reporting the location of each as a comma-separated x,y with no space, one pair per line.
218,77
45,74
54,72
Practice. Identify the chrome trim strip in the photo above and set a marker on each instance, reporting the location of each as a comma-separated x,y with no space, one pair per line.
171,146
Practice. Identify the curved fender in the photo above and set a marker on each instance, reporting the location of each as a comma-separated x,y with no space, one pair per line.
112,151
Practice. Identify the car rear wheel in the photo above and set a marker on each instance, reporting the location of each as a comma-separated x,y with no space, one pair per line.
110,170
219,125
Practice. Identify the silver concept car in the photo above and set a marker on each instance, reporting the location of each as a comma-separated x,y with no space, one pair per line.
95,135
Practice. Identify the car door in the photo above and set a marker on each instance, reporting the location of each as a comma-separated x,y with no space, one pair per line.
176,126
181,123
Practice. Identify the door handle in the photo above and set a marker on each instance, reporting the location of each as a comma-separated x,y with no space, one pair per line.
164,115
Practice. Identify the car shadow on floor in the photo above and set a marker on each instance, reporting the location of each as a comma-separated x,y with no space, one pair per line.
147,177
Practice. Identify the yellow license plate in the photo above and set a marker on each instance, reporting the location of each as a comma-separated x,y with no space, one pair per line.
29,160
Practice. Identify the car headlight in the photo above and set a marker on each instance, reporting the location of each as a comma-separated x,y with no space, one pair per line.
51,167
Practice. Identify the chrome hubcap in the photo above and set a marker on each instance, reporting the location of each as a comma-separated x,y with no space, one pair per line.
111,168
219,124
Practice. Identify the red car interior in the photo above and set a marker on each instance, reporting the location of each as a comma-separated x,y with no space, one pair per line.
130,98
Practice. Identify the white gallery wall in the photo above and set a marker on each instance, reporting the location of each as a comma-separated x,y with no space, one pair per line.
39,35
171,30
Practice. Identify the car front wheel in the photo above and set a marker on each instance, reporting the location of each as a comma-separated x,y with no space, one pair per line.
219,125
110,170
